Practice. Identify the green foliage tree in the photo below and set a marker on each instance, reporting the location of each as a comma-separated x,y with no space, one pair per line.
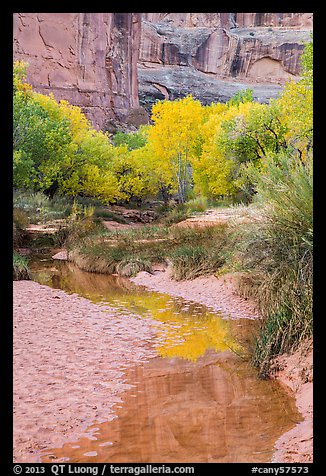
133,140
56,148
242,96
306,62
40,143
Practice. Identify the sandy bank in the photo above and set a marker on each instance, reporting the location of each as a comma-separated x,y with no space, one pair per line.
295,371
57,396
69,359
217,293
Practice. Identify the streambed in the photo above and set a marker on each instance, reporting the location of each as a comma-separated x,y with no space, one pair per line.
195,400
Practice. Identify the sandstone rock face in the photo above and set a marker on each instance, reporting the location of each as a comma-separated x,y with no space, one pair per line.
212,55
111,63
287,20
90,59
172,83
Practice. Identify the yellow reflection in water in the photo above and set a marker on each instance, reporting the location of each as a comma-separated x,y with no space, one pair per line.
186,333
186,330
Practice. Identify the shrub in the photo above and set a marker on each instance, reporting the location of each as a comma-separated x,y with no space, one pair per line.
79,229
38,208
105,214
281,332
175,215
210,236
20,268
198,204
20,222
279,251
204,258
189,262
20,219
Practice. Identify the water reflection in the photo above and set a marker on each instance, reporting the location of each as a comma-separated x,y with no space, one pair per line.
198,402
214,410
189,329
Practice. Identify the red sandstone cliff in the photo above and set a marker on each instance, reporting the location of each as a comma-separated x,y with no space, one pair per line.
107,62
90,59
212,55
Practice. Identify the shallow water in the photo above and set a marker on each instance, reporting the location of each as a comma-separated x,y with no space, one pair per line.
187,329
198,401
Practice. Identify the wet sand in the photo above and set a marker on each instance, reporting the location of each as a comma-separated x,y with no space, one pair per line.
69,361
211,410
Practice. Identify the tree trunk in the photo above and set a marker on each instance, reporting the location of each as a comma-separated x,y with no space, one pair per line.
50,191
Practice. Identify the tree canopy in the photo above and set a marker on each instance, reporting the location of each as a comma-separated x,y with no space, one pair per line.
188,148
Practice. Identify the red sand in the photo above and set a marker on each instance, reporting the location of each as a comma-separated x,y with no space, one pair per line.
295,372
69,358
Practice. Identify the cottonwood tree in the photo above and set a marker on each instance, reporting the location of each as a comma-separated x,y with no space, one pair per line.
296,105
174,137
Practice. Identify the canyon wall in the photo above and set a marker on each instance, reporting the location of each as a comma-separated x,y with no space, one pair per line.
212,55
110,63
90,59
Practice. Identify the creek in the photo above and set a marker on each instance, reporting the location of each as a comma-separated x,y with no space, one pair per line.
199,400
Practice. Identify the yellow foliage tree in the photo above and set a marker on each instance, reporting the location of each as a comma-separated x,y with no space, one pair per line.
174,138
19,78
157,174
296,104
214,168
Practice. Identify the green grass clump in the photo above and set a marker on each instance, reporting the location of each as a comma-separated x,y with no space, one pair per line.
105,214
20,218
39,208
20,222
125,257
144,232
175,215
20,268
199,251
130,267
189,262
279,254
124,251
127,251
198,204
281,332
80,229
